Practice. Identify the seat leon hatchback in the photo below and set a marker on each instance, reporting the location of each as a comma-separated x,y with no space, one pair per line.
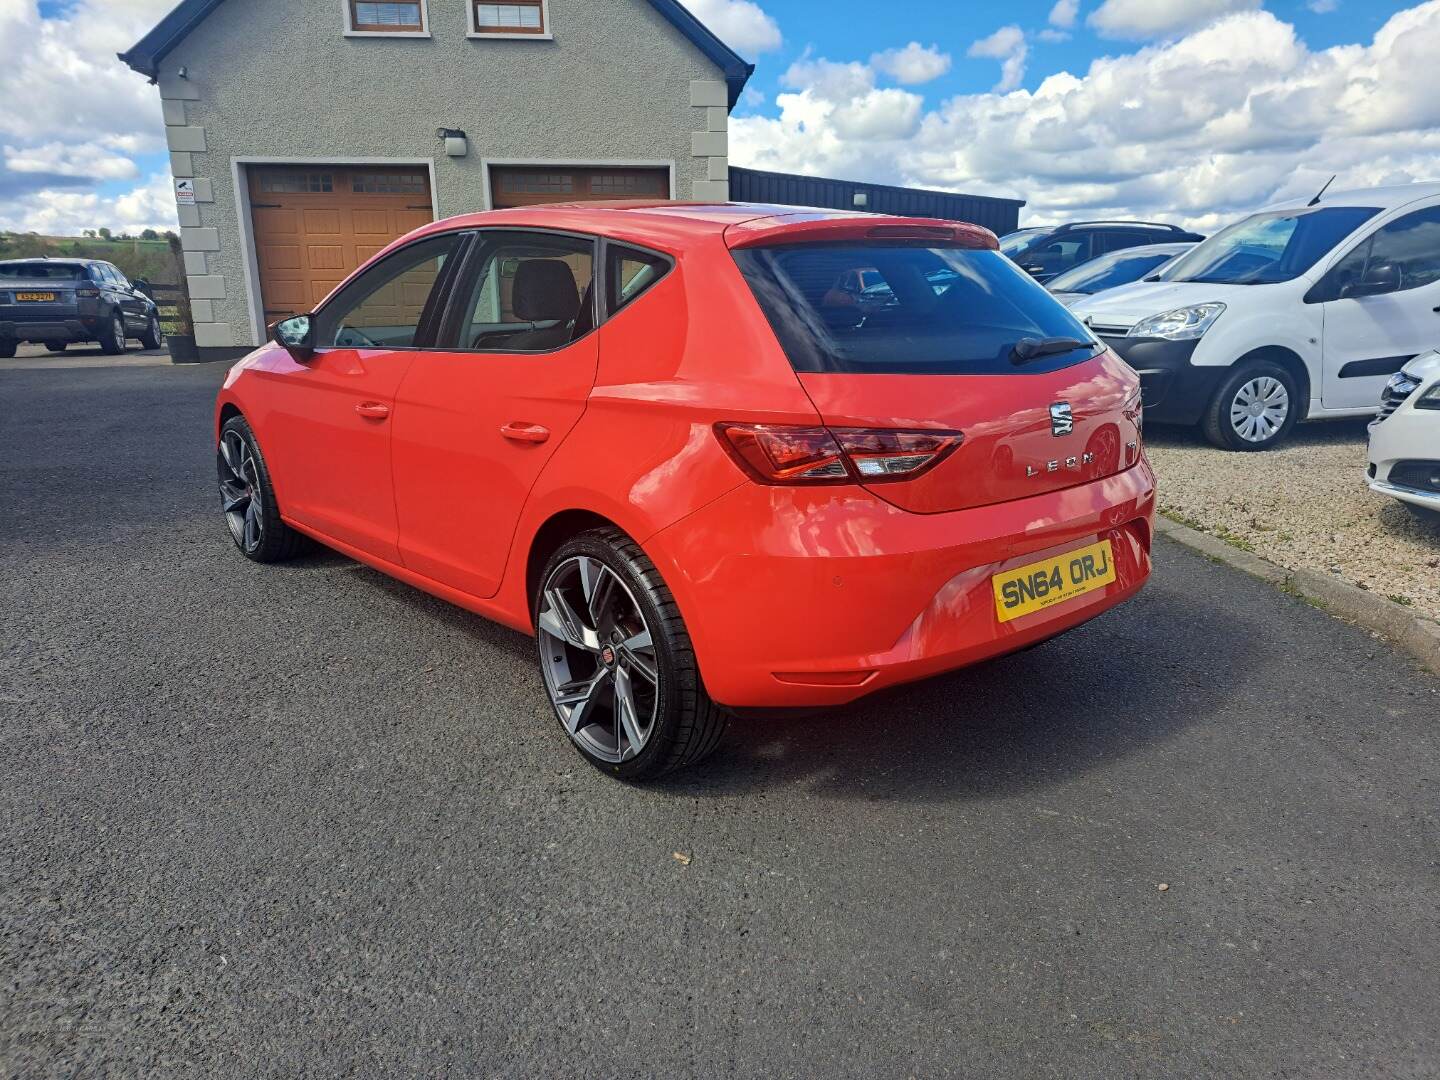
659,439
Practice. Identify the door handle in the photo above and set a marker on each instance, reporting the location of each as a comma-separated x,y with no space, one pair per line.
531,433
373,409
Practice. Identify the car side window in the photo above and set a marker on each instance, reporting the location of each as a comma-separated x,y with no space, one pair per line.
1119,239
527,292
629,272
97,274
1411,244
387,305
1059,254
117,277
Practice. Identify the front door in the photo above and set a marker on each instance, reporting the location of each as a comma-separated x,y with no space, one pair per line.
328,430
1384,308
475,425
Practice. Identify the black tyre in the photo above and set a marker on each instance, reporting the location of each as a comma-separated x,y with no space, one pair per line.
153,337
617,661
112,335
247,498
56,346
7,348
1254,408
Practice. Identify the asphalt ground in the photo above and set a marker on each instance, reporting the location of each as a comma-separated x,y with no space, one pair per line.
306,821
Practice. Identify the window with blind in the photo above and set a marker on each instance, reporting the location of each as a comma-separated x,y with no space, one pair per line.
369,17
516,17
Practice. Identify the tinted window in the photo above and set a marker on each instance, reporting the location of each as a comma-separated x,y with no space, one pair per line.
42,270
1053,256
1108,271
937,310
116,276
630,272
1014,243
528,292
1411,244
1275,246
385,306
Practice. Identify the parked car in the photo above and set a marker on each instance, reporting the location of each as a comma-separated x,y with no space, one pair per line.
1113,270
1301,310
58,302
1405,438
645,435
1045,251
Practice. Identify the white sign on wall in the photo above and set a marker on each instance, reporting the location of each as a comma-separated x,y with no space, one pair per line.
185,192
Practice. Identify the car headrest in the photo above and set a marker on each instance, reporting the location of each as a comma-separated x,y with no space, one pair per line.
545,290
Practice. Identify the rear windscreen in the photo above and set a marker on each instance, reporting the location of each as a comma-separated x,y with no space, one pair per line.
897,309
41,271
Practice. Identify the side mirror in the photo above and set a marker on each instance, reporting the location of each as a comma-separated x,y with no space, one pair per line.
141,285
1379,278
296,336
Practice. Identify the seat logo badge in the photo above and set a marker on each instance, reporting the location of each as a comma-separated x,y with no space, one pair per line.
1061,420
1073,463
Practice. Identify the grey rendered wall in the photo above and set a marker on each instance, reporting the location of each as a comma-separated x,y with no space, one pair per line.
279,79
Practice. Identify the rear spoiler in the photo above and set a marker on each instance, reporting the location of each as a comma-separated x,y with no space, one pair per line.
858,228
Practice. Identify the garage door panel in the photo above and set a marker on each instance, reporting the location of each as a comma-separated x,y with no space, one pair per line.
535,185
280,257
371,222
406,220
325,256
314,225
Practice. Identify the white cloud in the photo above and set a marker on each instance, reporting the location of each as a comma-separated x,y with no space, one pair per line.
1158,18
1063,13
1195,130
67,213
1052,35
912,65
87,160
1008,46
741,24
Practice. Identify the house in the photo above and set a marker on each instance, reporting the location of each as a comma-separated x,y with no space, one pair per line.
305,135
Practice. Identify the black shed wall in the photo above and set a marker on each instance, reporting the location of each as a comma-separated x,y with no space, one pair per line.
1000,216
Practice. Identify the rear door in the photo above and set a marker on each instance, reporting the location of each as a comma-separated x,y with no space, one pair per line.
944,359
1372,330
476,421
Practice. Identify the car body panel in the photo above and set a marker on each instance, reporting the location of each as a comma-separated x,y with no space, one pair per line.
1409,434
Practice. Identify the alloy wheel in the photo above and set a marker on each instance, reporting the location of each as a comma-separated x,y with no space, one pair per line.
240,496
1259,408
598,659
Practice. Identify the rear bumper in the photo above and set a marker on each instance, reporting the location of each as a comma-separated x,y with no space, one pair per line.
1173,390
46,329
800,597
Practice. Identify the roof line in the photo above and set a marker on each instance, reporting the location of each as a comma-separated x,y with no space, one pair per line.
147,53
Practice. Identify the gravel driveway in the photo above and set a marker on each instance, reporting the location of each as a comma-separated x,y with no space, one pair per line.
1304,506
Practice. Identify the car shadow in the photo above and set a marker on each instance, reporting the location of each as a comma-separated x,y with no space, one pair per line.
1010,726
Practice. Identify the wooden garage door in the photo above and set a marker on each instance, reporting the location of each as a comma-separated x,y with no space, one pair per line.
531,185
314,224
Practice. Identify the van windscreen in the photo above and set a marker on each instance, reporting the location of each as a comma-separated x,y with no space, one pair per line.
906,309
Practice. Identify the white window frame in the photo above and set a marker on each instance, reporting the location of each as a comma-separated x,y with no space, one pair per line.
472,31
350,31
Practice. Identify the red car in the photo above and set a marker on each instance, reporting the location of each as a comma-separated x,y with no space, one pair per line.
641,432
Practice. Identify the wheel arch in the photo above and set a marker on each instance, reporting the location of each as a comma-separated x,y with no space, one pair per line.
552,533
226,411
1292,362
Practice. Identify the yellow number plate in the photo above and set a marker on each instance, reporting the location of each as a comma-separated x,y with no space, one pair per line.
1028,589
34,296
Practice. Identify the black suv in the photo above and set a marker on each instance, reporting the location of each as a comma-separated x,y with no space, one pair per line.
60,301
1051,249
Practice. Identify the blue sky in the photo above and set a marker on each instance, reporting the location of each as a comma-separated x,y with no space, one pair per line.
847,29
1186,110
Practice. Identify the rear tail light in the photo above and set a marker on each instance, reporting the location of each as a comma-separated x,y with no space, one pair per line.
775,454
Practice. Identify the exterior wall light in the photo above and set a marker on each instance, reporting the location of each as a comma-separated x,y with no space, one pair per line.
862,200
456,144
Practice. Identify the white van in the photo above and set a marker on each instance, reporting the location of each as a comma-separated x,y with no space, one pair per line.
1302,310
